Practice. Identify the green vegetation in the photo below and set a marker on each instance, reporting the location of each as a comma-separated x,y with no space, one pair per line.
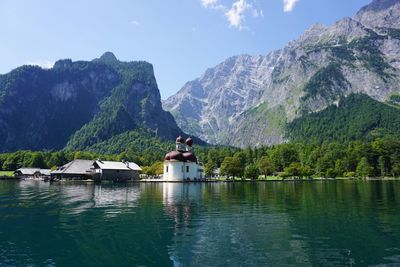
374,158
357,117
394,99
365,51
155,169
324,82
6,173
129,114
251,172
82,105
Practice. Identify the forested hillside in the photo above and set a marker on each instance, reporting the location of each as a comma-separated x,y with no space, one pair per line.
79,104
355,117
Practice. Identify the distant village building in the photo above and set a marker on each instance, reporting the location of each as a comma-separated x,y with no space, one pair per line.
25,173
181,164
96,170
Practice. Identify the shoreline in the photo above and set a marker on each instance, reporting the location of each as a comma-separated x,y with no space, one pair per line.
218,180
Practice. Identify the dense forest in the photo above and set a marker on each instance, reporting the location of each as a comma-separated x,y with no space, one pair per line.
356,117
374,158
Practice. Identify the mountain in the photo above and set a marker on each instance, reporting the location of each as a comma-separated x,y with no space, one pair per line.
251,100
76,105
355,117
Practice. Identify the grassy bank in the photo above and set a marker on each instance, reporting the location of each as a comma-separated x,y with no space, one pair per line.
6,173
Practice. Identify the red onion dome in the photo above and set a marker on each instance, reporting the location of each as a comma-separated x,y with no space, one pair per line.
174,155
189,141
189,156
180,140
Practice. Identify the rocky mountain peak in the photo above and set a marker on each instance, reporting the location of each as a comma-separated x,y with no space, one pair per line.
249,100
379,5
108,57
345,29
380,14
62,64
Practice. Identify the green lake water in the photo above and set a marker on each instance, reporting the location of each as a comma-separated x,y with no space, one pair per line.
318,223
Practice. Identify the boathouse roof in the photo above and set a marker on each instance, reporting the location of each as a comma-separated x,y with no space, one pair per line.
32,171
27,171
45,172
78,166
115,165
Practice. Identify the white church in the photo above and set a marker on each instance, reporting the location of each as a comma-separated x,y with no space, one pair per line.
181,164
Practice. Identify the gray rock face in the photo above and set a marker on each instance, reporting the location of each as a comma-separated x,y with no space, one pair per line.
380,14
247,100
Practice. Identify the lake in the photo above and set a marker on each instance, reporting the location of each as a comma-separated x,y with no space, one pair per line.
317,223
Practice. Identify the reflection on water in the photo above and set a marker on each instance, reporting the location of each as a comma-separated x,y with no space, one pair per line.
332,223
114,199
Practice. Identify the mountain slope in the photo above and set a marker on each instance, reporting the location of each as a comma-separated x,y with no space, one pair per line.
355,55
355,117
80,103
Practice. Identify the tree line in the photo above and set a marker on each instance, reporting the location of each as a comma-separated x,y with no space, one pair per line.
376,158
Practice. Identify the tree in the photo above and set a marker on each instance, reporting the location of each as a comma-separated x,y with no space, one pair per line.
56,159
363,168
11,163
148,171
209,168
266,166
158,168
306,171
251,172
37,161
293,169
283,155
382,166
330,173
231,166
340,167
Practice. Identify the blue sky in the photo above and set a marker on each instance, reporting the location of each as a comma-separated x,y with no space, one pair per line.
181,38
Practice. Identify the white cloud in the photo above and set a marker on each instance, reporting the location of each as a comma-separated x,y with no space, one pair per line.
213,4
45,64
209,3
235,15
288,5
